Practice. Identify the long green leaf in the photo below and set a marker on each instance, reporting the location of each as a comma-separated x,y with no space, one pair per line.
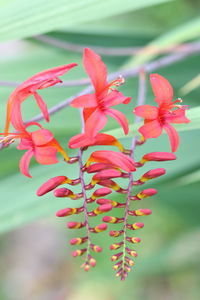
22,18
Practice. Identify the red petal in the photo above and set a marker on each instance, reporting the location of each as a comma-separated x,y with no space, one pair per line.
115,97
151,129
173,136
41,137
24,163
162,89
119,117
146,111
16,118
95,123
46,155
85,101
38,81
178,116
80,140
42,105
96,69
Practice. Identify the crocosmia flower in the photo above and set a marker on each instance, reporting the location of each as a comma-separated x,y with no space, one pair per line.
29,87
39,143
158,118
97,106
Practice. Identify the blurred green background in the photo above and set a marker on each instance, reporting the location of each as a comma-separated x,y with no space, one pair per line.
35,258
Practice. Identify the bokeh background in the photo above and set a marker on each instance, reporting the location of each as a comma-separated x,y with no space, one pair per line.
35,259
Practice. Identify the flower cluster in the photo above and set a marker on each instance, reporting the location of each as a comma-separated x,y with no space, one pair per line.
109,171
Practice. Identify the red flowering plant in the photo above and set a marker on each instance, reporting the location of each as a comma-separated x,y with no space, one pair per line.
104,167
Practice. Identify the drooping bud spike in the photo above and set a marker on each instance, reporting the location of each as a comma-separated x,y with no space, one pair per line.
78,252
69,211
131,252
75,225
95,248
116,246
133,240
135,226
116,256
140,212
158,156
78,241
116,233
109,219
150,175
51,184
144,194
99,228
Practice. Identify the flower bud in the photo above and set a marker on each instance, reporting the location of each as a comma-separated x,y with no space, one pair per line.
69,211
51,184
116,246
79,252
109,219
133,240
116,256
99,228
131,252
117,265
75,225
63,192
78,241
158,156
101,193
95,248
144,194
135,226
150,175
116,233
129,261
140,212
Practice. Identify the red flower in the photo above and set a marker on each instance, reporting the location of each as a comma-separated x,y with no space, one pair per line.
27,88
97,106
41,144
158,118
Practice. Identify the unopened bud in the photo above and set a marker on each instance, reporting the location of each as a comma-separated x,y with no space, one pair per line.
135,226
51,184
140,212
99,228
75,225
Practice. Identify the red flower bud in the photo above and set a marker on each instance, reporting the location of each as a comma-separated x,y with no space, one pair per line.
99,228
140,212
51,184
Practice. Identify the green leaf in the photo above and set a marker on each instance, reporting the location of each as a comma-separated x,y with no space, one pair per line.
193,114
21,18
183,33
